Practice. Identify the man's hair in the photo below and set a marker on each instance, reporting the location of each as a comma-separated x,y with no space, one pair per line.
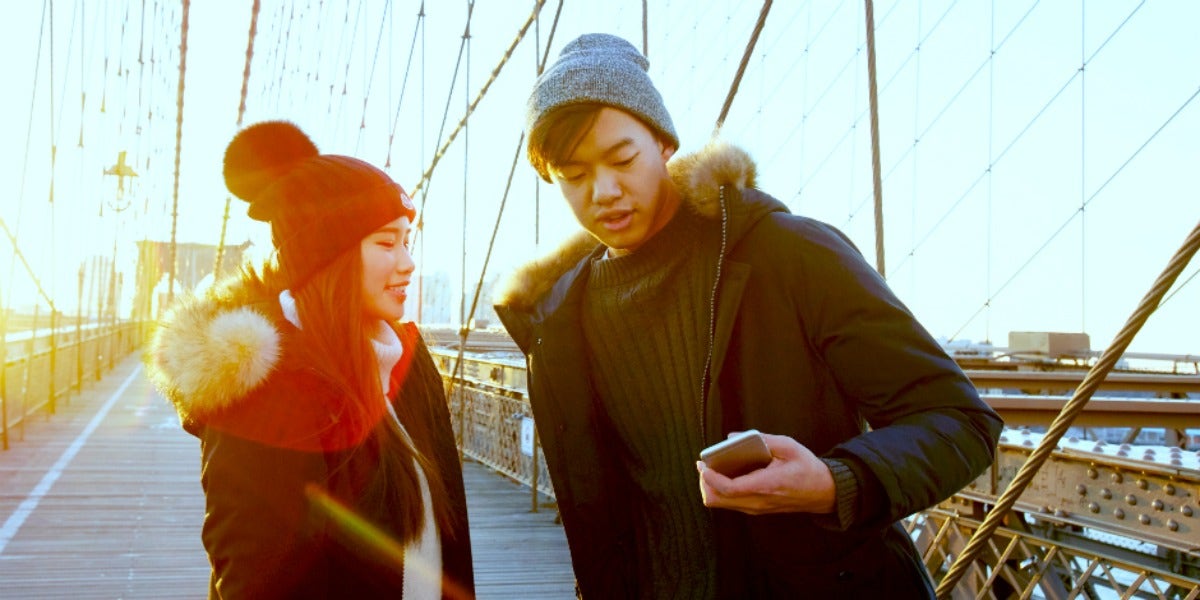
554,137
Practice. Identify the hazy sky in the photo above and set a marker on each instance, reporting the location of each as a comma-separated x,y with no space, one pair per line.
1038,157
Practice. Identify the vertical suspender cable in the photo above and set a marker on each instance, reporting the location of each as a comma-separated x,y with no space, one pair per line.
463,326
1083,60
183,33
455,372
421,279
645,30
220,257
875,174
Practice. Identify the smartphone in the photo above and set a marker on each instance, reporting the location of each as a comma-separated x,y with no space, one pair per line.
738,455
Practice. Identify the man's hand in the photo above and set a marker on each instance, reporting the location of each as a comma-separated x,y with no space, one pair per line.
795,481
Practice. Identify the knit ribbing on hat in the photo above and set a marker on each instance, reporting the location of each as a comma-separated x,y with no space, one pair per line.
602,68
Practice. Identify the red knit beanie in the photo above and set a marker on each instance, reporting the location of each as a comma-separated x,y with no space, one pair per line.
318,205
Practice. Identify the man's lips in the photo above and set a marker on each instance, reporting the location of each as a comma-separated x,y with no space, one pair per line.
615,220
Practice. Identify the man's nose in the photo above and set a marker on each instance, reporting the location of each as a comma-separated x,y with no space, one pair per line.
605,189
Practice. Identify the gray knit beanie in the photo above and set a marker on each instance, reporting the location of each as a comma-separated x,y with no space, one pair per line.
603,68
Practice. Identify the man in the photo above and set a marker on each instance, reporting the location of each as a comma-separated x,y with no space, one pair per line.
696,306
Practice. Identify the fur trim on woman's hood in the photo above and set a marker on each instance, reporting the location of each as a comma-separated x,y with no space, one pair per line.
210,351
698,177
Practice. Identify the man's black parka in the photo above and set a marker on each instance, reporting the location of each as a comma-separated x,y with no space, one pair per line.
808,342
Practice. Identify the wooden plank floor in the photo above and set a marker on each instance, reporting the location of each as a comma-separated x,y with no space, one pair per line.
103,500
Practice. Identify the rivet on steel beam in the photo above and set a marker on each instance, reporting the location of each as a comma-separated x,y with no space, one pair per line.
1131,500
1116,478
1092,473
1187,511
1143,484
1157,504
1144,519
1118,513
1081,489
1172,525
1169,489
1093,507
1104,493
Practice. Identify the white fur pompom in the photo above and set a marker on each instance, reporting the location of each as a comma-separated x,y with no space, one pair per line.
232,354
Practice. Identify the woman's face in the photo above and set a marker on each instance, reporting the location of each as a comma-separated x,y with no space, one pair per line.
387,270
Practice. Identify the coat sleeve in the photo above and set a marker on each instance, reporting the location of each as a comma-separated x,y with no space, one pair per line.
930,433
257,530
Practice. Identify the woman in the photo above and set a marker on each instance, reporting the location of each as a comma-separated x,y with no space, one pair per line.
329,465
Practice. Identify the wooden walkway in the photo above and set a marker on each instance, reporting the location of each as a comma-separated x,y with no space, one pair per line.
103,500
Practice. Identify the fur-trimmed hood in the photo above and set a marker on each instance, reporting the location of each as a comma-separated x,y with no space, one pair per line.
209,351
698,176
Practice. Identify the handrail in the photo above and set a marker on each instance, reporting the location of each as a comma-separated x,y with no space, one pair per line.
1066,381
41,367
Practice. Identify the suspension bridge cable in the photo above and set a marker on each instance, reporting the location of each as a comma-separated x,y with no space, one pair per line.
220,254
646,30
37,69
362,125
442,128
873,100
462,286
183,38
803,57
1178,289
412,47
1020,135
1082,167
471,109
50,120
464,331
741,70
854,123
1091,382
346,76
104,80
1089,200
17,254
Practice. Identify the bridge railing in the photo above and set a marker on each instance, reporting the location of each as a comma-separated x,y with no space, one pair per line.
1059,542
42,367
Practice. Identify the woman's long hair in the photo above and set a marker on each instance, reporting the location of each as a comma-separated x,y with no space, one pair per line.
335,341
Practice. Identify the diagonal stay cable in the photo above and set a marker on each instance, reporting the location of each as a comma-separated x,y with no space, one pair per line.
1028,126
419,225
362,124
737,78
471,109
387,164
1077,212
1072,409
465,331
20,255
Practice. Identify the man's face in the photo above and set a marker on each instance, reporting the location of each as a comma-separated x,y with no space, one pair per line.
616,182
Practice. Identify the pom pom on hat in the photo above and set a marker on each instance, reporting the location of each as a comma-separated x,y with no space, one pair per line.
261,154
318,205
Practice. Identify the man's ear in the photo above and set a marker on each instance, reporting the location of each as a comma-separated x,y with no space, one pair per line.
668,151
